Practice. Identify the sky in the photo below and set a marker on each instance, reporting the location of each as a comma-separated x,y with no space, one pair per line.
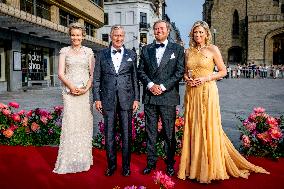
184,13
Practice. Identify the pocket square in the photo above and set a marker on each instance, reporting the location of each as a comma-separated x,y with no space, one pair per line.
129,59
172,56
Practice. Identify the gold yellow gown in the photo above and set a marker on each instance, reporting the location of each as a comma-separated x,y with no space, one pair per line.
207,153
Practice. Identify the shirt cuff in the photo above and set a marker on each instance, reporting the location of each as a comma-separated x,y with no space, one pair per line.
150,85
163,87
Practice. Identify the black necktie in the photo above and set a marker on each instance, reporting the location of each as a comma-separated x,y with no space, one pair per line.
157,45
116,51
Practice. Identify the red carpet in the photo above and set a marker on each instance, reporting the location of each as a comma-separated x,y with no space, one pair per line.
31,167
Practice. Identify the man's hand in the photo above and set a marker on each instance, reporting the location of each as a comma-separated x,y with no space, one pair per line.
135,106
156,89
99,107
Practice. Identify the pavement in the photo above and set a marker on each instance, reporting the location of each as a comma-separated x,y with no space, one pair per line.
238,97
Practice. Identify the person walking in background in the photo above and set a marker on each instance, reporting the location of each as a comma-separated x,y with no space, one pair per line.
116,96
160,69
75,70
207,153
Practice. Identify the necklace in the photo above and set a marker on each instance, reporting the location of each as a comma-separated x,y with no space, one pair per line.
76,49
199,49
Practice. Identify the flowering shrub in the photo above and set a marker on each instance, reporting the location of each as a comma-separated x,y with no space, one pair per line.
163,180
33,127
139,136
262,134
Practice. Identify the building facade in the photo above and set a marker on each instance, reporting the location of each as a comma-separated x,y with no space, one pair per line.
247,30
33,31
136,16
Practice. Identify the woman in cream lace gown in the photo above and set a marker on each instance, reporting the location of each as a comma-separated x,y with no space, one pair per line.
75,71
207,153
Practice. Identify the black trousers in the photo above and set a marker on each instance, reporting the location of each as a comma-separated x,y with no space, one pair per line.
125,121
168,117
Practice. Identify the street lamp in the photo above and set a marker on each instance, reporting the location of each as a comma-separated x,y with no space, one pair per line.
214,36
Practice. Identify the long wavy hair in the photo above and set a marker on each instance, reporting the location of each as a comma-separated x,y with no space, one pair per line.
208,38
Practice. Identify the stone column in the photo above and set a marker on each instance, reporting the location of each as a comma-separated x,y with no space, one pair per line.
13,3
54,14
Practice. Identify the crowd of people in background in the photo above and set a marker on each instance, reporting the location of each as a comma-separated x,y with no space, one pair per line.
253,71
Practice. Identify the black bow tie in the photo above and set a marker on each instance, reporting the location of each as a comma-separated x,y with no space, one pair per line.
157,45
116,51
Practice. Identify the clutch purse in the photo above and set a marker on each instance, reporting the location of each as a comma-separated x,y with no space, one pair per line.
77,85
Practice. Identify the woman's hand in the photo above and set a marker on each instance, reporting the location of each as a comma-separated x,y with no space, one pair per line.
200,80
189,81
81,91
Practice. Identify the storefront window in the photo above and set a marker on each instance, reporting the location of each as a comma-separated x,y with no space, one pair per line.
35,65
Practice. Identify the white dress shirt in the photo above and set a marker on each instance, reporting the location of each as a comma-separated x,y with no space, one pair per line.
116,58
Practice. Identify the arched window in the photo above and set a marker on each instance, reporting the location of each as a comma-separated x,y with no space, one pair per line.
236,31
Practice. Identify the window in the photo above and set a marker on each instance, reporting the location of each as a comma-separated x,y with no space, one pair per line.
65,18
98,2
105,37
235,24
36,7
143,38
130,17
143,17
282,8
90,29
117,18
106,18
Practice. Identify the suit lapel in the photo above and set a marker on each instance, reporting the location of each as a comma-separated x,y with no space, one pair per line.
109,60
152,55
124,59
166,57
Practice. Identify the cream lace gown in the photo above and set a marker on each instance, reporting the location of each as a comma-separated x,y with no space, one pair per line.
75,149
207,153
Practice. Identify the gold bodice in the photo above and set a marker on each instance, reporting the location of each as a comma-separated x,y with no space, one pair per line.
200,64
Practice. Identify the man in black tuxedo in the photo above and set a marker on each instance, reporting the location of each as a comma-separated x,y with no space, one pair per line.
116,95
160,69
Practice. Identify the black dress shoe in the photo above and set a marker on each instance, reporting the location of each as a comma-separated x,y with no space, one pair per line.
170,171
126,172
148,169
110,171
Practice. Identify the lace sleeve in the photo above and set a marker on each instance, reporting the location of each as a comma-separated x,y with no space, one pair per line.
64,50
89,52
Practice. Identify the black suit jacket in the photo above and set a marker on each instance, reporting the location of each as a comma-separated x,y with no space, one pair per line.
169,73
107,82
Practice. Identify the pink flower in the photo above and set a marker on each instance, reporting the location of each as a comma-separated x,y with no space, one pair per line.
265,137
2,106
16,117
160,126
6,112
271,121
246,141
14,104
259,110
29,113
43,119
34,126
275,133
13,127
22,112
25,121
8,133
251,126
163,180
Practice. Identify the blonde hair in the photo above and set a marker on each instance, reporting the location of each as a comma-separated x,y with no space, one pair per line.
77,25
208,38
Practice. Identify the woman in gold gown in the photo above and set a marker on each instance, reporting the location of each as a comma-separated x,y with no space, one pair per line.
207,153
